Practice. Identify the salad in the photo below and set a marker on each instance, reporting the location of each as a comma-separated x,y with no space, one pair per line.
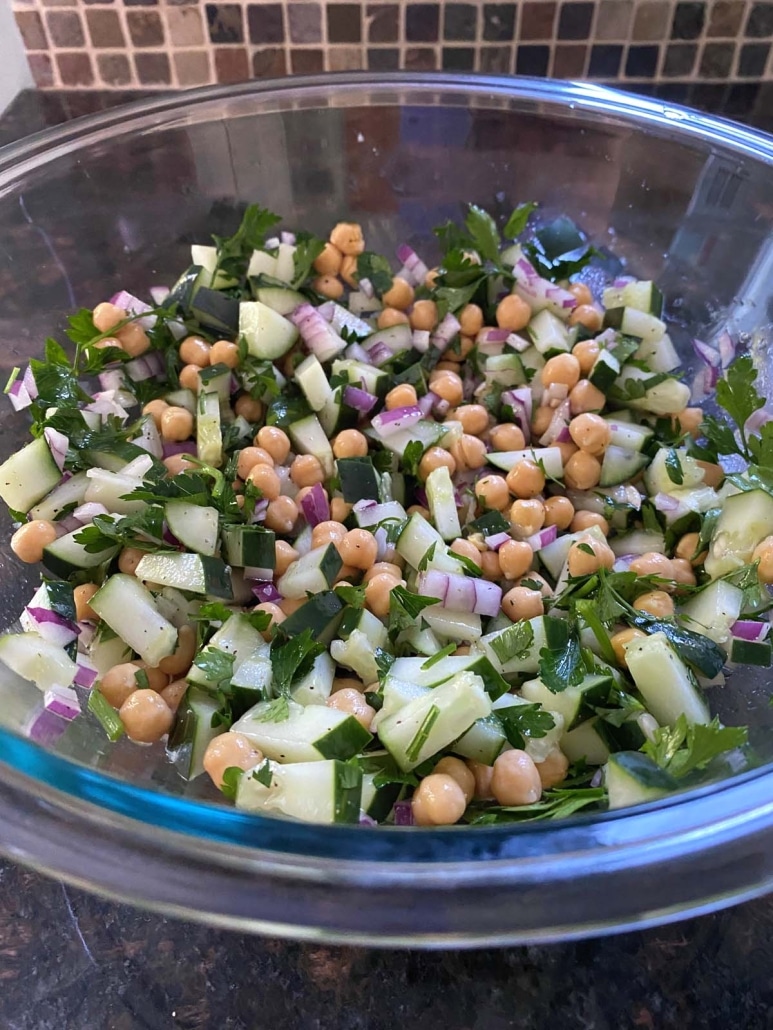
427,546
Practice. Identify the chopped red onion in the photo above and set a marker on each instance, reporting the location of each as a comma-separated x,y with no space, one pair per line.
51,625
703,383
45,728
134,306
414,270
255,572
541,293
496,540
169,538
749,629
288,238
518,343
727,349
111,379
359,399
86,512
108,402
343,318
382,543
356,352
315,332
184,447
521,401
403,811
315,506
541,539
757,420
558,425
427,402
460,593
379,354
709,355
420,340
148,366
259,515
58,445
85,672
159,294
366,287
491,334
367,820
326,309
86,632
598,777
271,243
665,502
62,701
622,280
67,525
445,332
387,423
554,394
23,391
266,592
623,563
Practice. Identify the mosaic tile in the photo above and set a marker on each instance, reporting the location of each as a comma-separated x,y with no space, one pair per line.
30,26
716,61
498,22
652,20
75,69
153,68
641,62
458,59
725,17
114,69
569,61
538,20
460,22
381,59
575,20
65,29
305,22
231,64
605,60
269,63
185,26
265,23
532,60
422,23
760,21
145,28
688,20
225,23
344,23
192,67
680,60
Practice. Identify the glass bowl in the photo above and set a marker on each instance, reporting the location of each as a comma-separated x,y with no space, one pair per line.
112,202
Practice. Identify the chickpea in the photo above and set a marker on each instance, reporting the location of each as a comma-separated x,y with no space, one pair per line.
133,339
457,770
526,479
490,565
515,780
353,703
513,313
417,509
390,317
713,474
587,315
466,550
581,293
430,279
492,492
399,295
249,409
30,539
687,547
129,559
522,603
459,349
586,397
118,683
655,602
433,458
586,352
588,555
288,605
652,564
178,663
229,751
424,315
471,320
585,519
507,437
347,237
157,679
515,558
155,409
340,509
174,693
109,341
275,442
468,452
176,424
566,448
249,457
82,595
474,418
348,271
348,683
329,286
377,593
690,421
284,555
146,716
553,769
559,511
682,573
277,614
358,549
582,471
282,514
177,463
620,642
402,396
383,568
439,800
106,315
534,581
306,470
351,443
329,261
563,369
195,351
190,379
527,516
266,480
448,386
591,433
541,419
482,774
224,352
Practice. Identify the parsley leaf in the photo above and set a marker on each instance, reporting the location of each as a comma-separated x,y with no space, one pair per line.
405,608
683,748
263,773
384,662
516,223
412,455
522,721
427,557
376,269
483,232
108,717
277,711
353,596
234,252
555,804
217,666
413,750
737,395
307,250
694,648
560,661
674,467
231,778
293,658
513,642
435,658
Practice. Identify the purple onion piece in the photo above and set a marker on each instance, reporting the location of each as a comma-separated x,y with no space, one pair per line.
403,811
159,294
186,447
45,728
88,511
359,399
134,306
387,423
497,540
58,445
366,288
414,270
266,592
709,355
62,701
315,506
315,332
665,502
445,332
749,629
85,672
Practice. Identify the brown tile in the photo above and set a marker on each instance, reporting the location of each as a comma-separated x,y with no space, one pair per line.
652,20
383,59
269,63
345,58
42,70
614,19
496,59
114,69
184,26
152,68
422,23
421,59
75,69
31,28
569,61
231,64
192,67
226,23
537,20
266,23
305,22
145,28
382,21
307,62
105,28
344,23
65,29
725,17
61,3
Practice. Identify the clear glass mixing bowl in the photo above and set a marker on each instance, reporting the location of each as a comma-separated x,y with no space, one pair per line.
113,202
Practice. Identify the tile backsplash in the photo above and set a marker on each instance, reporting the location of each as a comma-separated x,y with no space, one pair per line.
169,44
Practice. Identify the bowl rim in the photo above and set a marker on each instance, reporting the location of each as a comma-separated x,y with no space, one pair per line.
581,846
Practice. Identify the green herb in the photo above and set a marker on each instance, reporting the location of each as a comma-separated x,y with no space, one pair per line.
695,648
216,611
263,773
377,270
353,596
108,717
15,372
649,518
587,612
384,662
444,653
453,298
427,557
469,566
143,529
560,661
412,455
292,659
625,348
737,395
234,252
513,642
627,708
141,679
483,233
257,377
684,748
230,784
307,250
555,804
277,711
216,665
413,750
522,721
405,608
517,221
674,467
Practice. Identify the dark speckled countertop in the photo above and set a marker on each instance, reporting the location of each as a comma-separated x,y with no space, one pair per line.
71,961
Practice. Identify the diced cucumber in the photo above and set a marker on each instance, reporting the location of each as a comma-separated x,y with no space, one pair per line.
262,263
462,626
71,491
309,437
366,623
549,458
643,296
378,801
115,459
285,262
315,687
284,302
660,355
421,640
605,371
308,734
371,379
426,433
249,546
217,379
418,671
195,572
182,399
396,694
184,290
548,333
575,704
310,376
483,741
209,437
442,503
495,642
194,525
107,649
713,611
130,611
359,480
54,596
312,573
657,478
111,490
206,257
638,541
314,792
415,542
237,637
426,725
585,742
632,778
33,658
750,652
664,681
322,614
28,475
217,312
746,519
662,397
65,556
176,607
505,369
356,653
269,335
620,465
629,435
633,322
192,732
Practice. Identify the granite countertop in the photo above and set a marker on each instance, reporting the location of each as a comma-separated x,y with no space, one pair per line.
71,961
